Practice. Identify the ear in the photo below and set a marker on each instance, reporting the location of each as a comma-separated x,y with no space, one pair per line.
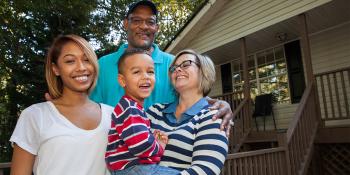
121,80
55,69
125,24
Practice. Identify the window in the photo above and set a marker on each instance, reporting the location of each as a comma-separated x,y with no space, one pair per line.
267,72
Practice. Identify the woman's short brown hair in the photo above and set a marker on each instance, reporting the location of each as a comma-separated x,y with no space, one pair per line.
54,83
207,70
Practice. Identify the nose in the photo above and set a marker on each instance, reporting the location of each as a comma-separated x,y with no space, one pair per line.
178,69
81,66
143,25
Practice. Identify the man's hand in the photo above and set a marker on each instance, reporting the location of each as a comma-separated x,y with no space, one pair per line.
224,112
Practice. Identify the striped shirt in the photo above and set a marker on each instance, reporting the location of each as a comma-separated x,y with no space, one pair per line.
196,145
130,141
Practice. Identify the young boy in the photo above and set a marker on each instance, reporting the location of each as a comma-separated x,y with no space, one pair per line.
132,148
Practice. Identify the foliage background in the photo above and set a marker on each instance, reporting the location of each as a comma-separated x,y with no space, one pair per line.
27,27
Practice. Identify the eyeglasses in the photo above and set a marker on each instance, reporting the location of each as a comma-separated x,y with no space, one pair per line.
138,21
184,65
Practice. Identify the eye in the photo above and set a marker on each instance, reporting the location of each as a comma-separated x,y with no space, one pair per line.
151,22
86,59
186,64
136,72
151,72
70,61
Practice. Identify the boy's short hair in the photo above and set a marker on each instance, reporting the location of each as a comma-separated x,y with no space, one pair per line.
54,83
207,70
128,53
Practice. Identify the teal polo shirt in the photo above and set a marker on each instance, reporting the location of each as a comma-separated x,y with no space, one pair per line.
108,90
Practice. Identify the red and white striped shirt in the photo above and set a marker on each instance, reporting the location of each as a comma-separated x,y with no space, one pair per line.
130,141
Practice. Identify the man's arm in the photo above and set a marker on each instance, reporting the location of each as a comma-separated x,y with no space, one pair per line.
224,112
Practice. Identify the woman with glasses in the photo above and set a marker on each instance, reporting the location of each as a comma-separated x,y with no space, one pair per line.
196,144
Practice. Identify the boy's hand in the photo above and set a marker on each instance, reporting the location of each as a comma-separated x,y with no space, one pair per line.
224,112
161,137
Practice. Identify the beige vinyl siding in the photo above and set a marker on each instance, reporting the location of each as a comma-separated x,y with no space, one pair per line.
242,17
330,50
217,87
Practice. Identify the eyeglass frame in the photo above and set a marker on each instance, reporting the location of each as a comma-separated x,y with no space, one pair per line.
140,21
181,65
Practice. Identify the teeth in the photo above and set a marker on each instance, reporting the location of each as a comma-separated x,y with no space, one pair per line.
81,78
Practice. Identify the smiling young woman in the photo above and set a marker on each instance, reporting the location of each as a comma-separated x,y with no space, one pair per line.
68,134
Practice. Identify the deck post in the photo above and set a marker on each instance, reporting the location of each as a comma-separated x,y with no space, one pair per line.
305,47
306,52
246,85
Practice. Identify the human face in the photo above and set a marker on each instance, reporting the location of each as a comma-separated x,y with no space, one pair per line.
186,73
141,27
137,77
74,69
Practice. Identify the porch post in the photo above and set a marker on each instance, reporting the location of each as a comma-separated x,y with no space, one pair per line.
305,47
246,85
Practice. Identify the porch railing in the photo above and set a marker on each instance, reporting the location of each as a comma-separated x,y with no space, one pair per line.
296,146
334,94
242,118
302,130
4,166
267,161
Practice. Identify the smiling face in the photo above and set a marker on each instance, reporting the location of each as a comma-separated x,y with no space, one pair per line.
137,76
74,68
141,27
186,77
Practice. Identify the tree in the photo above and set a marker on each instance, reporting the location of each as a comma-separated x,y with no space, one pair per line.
27,27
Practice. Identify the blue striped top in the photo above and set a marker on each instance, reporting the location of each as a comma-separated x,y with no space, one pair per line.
196,145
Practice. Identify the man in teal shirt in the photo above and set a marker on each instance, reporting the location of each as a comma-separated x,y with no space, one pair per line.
109,91
141,26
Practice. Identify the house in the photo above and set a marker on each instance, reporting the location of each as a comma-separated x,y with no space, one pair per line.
296,50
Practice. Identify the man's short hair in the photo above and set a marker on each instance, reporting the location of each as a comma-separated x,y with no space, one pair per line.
128,53
134,5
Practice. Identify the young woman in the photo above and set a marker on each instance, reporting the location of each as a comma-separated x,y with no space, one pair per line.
67,135
196,145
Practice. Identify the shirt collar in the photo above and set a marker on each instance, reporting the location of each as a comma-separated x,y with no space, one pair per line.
193,110
155,54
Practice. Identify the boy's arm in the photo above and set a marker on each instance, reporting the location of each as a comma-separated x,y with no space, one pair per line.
132,128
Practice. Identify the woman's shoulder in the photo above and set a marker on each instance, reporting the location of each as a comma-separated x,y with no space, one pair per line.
35,108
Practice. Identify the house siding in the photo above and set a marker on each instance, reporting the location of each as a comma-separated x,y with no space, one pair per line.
330,50
242,17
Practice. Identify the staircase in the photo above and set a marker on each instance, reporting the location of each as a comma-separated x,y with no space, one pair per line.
299,150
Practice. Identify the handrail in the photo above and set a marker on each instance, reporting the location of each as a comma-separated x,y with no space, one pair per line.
254,153
240,106
292,126
229,93
332,71
5,165
302,131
